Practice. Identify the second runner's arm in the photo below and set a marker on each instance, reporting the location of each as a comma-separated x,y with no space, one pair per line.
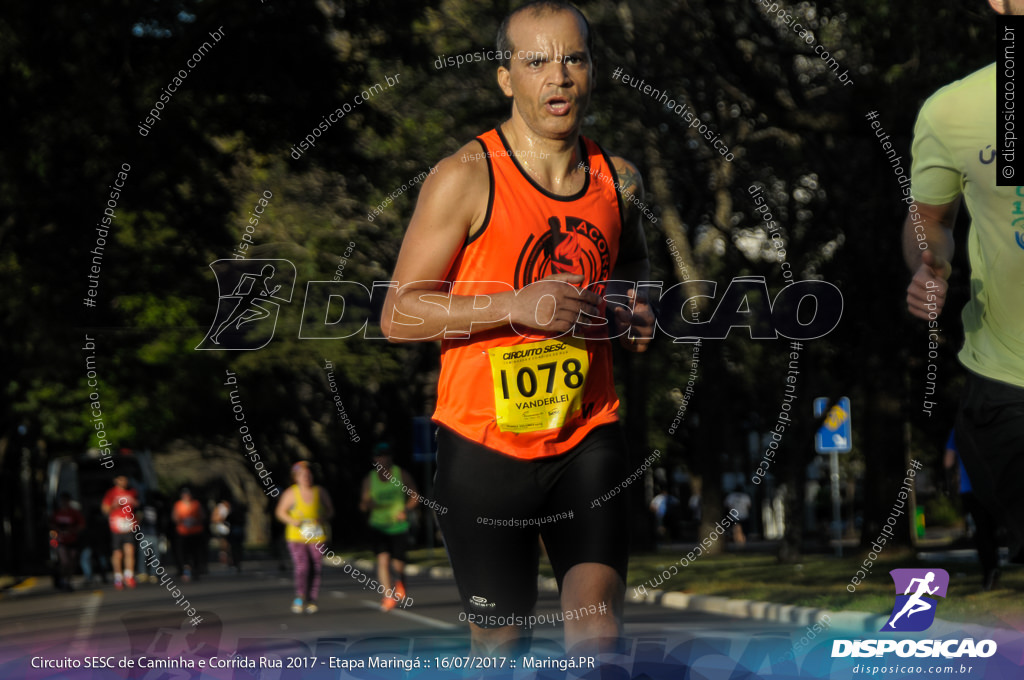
930,266
632,263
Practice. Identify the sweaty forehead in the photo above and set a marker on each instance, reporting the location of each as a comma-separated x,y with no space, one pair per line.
563,30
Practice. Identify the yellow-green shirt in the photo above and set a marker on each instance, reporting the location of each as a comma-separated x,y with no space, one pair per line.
954,152
388,502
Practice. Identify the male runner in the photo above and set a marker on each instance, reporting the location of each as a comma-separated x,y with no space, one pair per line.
189,523
388,505
504,262
119,504
953,157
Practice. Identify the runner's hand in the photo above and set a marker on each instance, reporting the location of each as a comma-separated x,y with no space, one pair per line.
927,290
638,323
553,304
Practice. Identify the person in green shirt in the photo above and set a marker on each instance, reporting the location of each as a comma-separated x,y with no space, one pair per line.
954,153
388,494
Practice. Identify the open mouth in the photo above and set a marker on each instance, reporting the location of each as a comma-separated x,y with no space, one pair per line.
557,106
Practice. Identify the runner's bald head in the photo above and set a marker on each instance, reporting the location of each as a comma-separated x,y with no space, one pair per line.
540,8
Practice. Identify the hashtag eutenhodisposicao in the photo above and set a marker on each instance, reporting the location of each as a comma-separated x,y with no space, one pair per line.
530,621
682,110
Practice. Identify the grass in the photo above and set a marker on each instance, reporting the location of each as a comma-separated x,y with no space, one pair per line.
817,581
821,581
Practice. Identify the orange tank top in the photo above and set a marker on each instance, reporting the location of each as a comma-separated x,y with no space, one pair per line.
518,391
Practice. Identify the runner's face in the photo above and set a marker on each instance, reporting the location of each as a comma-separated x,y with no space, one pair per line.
550,73
303,476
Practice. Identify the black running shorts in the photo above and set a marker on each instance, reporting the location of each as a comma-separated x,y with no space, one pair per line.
118,540
990,441
393,544
499,505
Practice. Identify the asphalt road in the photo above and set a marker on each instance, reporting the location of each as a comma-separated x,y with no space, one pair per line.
249,614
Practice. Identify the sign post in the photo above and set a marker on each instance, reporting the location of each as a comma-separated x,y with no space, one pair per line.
835,436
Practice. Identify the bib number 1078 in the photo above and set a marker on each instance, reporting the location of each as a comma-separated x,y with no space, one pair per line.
526,378
539,385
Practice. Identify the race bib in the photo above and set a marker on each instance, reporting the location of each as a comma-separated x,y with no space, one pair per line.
538,386
122,525
311,530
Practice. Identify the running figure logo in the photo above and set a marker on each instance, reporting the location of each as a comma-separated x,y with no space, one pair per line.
247,316
570,245
923,582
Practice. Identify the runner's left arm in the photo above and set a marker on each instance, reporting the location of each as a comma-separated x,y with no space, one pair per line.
632,263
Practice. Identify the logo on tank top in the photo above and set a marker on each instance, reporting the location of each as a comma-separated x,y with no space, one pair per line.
574,246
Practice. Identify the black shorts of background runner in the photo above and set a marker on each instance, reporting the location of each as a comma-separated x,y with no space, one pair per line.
990,441
120,540
495,566
395,545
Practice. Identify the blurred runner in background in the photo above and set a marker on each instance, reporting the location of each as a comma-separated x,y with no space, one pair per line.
66,526
119,505
388,505
189,518
954,128
305,510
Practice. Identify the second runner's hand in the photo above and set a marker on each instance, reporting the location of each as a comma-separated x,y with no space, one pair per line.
638,318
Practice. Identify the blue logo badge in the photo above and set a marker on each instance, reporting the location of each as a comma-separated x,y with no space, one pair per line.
914,609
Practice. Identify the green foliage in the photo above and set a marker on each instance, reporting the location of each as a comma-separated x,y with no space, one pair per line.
79,86
939,511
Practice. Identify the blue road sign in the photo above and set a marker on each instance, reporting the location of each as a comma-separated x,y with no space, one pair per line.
835,435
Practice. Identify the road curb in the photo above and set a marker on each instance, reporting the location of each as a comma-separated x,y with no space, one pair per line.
852,621
757,610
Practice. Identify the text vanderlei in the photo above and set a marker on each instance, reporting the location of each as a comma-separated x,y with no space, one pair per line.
543,402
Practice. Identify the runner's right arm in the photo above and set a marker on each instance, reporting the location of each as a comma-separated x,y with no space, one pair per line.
451,206
284,506
107,503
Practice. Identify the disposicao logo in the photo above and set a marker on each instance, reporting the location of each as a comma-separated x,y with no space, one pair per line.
914,611
247,315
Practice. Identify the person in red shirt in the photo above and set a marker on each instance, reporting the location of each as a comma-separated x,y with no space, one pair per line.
119,505
66,523
188,519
